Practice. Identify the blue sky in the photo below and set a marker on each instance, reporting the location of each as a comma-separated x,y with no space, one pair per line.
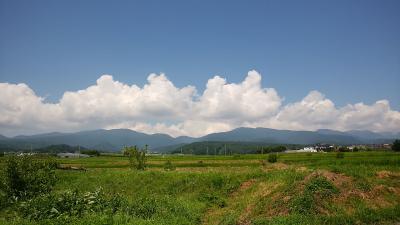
347,50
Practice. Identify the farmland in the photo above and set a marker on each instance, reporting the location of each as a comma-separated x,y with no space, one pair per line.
300,188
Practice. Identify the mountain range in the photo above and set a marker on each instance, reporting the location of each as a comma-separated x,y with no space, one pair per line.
116,139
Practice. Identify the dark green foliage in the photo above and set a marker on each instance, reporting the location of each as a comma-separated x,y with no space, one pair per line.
396,145
168,166
272,158
321,186
343,149
137,158
60,148
201,163
27,176
340,155
232,148
317,189
91,152
303,204
69,204
212,199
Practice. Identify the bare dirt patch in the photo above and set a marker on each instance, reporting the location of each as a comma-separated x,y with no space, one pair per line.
374,198
387,174
247,184
339,180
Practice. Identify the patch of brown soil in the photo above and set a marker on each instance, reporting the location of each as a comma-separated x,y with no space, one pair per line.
243,187
374,198
387,174
243,218
339,180
247,184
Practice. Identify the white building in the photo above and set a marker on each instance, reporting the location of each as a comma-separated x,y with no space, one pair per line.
72,155
305,149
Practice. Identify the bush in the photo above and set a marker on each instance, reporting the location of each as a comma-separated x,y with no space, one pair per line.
69,203
168,166
27,176
212,199
91,152
396,145
340,155
200,163
272,158
137,158
317,189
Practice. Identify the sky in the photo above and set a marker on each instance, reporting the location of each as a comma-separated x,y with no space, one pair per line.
196,67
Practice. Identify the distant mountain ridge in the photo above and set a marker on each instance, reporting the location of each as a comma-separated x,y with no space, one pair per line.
116,139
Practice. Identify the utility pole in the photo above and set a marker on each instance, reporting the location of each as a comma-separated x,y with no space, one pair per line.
262,150
225,149
207,150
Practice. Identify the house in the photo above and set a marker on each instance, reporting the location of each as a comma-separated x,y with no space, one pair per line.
305,149
72,155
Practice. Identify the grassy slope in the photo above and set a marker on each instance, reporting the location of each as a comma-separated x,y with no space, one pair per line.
300,189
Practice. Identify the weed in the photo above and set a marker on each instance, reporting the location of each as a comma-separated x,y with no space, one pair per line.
168,166
340,155
272,157
316,190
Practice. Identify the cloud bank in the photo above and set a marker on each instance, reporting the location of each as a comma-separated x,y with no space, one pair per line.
161,107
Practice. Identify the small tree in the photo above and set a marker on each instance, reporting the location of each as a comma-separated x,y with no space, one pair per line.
396,145
137,158
272,157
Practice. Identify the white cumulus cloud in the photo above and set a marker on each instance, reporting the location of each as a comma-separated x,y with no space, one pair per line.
161,107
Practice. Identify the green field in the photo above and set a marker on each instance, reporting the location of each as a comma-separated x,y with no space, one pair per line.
301,188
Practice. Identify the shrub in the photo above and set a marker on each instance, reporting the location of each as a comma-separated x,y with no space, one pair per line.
396,145
200,163
69,203
272,158
168,166
315,190
91,152
321,186
137,158
340,155
212,199
27,176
